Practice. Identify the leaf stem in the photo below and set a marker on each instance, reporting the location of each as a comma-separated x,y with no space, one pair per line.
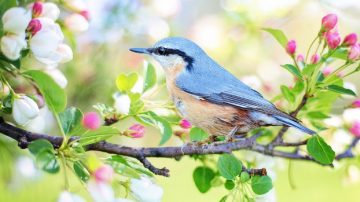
308,51
63,162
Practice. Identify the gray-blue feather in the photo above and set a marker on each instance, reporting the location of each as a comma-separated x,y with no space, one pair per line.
208,80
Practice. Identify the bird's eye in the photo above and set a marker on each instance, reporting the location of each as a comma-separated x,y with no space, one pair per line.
161,51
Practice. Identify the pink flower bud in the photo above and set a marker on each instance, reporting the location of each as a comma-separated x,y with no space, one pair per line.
85,14
327,70
333,39
291,47
37,9
354,52
34,26
356,104
185,124
315,58
91,121
350,39
329,22
104,173
137,131
300,58
355,129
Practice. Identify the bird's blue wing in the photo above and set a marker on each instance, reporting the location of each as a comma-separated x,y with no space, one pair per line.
217,85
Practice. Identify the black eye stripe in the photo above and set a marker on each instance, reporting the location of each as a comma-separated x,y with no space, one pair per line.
169,51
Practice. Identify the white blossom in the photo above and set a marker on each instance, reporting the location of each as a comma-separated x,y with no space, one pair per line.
50,10
100,191
15,20
58,77
122,103
139,85
24,109
66,196
145,190
351,115
12,44
76,23
26,167
333,121
47,44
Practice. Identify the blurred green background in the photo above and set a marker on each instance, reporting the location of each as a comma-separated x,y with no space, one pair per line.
230,31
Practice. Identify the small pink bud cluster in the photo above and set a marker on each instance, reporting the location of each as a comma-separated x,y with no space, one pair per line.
91,121
355,129
34,26
350,39
354,52
185,124
85,14
37,9
356,104
136,131
291,47
327,70
315,58
104,173
300,58
332,39
329,22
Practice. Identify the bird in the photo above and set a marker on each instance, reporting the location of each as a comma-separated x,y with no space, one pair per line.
209,96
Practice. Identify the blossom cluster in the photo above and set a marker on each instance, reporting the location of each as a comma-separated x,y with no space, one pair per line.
34,29
329,32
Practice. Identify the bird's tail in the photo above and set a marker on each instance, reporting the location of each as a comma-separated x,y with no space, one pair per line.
293,123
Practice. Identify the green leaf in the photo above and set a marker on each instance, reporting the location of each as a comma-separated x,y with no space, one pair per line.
131,168
293,70
278,35
288,95
8,64
39,145
202,177
261,184
150,77
244,177
229,166
319,150
341,90
126,82
309,69
152,119
197,134
136,103
223,199
81,171
7,104
102,133
46,160
299,87
70,119
340,53
317,115
229,184
54,95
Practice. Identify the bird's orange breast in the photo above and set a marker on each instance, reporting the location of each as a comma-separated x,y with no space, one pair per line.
213,118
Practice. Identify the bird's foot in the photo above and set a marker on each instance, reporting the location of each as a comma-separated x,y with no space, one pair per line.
211,139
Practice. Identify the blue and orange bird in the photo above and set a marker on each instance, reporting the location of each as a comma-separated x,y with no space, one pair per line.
209,96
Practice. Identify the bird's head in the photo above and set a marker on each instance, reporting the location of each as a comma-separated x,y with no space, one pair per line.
173,51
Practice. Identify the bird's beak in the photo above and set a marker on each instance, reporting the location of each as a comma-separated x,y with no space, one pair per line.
140,50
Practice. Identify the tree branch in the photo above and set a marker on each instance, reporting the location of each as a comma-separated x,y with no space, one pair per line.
279,138
24,138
